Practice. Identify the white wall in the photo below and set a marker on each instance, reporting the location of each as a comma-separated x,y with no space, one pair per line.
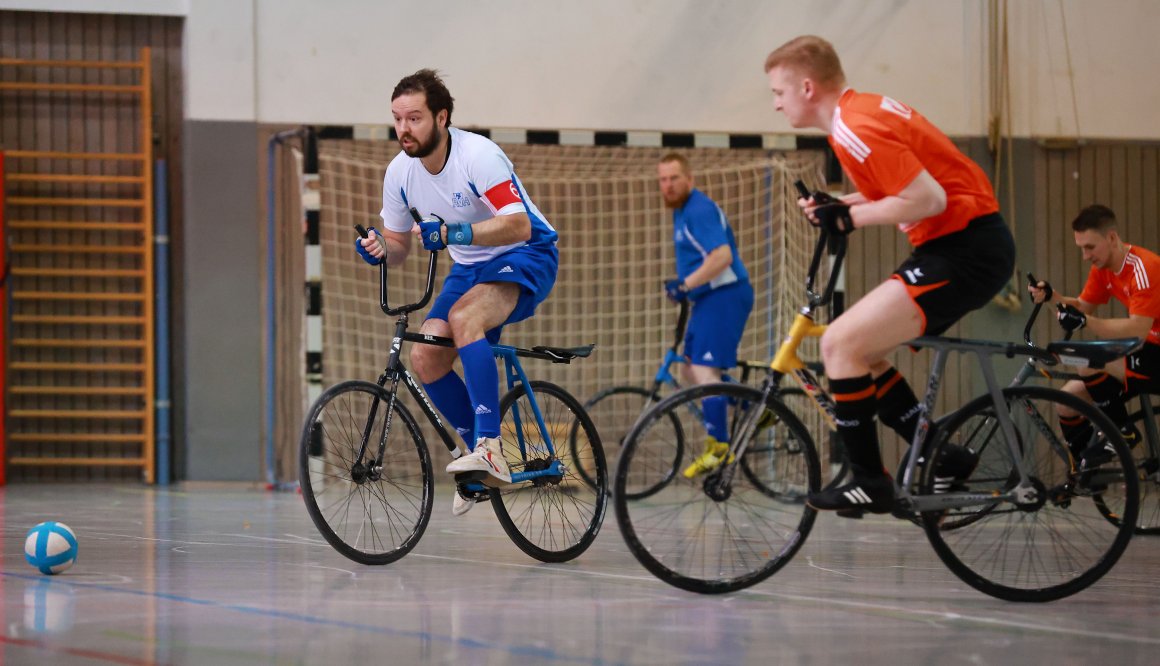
692,65
143,7
696,64
600,64
1115,49
221,79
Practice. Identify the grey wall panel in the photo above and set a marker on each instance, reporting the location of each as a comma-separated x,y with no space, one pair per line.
222,327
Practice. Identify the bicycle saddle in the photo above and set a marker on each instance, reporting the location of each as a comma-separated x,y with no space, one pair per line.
1094,353
565,353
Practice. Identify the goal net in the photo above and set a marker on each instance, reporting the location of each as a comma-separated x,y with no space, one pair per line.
615,253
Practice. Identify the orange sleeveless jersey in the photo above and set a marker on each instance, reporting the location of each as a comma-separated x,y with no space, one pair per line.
1132,286
883,145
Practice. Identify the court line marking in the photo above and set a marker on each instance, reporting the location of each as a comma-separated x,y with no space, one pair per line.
75,652
917,614
530,652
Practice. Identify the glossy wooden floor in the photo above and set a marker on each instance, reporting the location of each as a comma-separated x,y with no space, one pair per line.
232,575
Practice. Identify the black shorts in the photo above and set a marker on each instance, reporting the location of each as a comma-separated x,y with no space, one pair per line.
951,275
1142,370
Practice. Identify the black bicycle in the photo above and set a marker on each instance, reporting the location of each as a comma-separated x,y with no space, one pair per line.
1145,454
366,474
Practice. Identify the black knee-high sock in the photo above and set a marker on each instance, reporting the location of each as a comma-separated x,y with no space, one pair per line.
1076,430
1108,394
855,404
897,406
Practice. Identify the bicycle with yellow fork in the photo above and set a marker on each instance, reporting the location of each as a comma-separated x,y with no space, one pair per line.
615,410
1024,525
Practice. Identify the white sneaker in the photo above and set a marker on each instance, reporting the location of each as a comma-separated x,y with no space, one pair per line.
461,505
487,457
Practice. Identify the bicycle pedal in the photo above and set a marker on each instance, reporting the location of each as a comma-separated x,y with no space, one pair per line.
476,476
474,492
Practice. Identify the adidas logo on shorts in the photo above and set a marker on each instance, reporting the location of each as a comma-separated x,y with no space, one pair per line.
506,269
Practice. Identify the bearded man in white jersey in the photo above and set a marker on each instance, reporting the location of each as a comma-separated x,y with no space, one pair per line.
474,206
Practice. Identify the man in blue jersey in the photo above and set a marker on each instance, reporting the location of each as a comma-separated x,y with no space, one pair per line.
709,274
504,250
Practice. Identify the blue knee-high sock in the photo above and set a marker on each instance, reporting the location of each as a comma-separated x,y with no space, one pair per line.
714,409
483,385
449,394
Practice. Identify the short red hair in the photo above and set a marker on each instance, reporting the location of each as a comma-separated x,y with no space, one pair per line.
812,57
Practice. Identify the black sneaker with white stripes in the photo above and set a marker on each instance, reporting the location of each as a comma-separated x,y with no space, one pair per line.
953,468
1102,452
873,494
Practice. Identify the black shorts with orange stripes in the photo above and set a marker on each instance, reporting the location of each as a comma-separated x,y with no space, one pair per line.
1142,370
951,275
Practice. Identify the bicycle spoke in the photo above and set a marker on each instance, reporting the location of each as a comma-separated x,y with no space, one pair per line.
551,519
370,515
1054,544
703,533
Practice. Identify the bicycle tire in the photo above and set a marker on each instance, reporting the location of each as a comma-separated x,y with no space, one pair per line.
679,534
1146,457
1056,543
614,411
551,519
390,512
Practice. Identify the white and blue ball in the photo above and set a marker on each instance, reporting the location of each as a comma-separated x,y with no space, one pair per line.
51,547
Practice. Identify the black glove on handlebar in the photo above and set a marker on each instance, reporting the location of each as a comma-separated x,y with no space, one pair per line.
1070,318
834,218
1048,292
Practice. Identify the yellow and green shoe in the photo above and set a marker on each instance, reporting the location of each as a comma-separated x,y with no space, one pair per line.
714,455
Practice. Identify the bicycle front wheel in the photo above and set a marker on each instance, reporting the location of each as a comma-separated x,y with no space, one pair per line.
723,529
614,411
552,518
372,514
1052,541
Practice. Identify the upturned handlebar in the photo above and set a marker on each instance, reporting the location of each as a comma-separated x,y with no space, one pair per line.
817,300
1033,282
682,322
428,290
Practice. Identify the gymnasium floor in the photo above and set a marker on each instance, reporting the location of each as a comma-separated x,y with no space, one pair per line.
233,575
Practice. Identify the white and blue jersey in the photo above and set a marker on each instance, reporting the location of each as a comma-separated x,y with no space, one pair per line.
477,183
699,227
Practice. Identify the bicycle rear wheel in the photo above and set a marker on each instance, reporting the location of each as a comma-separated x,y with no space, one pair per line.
614,411
1053,542
551,518
371,515
727,529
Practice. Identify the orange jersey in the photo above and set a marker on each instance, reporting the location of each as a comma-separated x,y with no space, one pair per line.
883,145
1131,285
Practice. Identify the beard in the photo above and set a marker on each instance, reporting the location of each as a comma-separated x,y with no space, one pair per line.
422,148
677,200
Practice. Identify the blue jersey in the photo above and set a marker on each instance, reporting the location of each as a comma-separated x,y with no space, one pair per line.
699,227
